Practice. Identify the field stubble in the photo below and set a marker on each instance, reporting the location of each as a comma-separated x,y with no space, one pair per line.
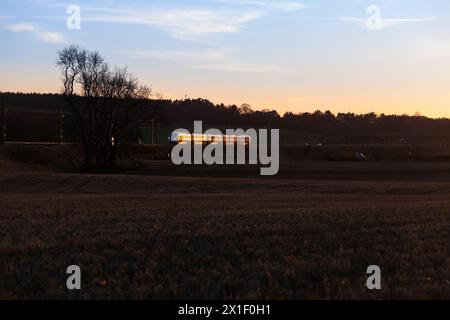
211,238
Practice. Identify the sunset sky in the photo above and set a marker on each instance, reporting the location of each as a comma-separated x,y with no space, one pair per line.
285,55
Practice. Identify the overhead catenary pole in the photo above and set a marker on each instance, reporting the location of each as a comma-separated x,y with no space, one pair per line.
153,131
2,120
60,125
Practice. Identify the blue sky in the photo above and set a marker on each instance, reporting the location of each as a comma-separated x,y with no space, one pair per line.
283,54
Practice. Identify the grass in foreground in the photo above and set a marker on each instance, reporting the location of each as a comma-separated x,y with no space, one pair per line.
171,237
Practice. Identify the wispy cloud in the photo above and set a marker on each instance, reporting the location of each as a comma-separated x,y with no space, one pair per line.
242,67
268,4
182,24
180,55
193,22
22,27
41,35
216,59
51,37
387,22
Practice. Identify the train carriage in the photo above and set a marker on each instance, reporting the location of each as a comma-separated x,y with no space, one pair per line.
177,137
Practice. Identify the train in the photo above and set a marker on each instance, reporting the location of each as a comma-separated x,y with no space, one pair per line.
177,137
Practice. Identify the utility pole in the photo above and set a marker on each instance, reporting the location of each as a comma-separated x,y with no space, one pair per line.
2,120
61,126
153,131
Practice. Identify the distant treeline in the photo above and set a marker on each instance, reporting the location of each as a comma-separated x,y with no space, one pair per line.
349,127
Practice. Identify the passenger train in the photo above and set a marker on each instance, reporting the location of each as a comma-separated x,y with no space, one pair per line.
177,137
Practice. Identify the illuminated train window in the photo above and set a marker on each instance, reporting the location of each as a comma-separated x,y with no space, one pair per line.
177,138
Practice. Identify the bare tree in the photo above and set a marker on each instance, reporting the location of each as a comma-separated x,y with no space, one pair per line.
2,120
107,104
245,109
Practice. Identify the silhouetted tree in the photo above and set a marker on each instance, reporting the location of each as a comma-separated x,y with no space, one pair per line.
107,105
246,109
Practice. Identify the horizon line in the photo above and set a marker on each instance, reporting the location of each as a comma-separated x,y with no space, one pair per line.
255,110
